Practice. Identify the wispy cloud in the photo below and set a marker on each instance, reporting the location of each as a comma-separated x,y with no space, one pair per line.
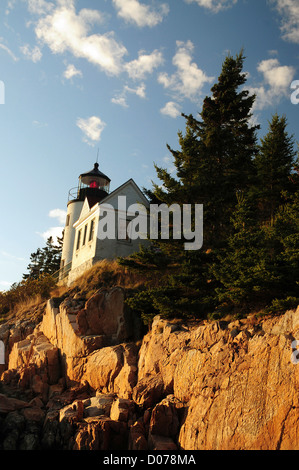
39,124
189,79
34,53
10,6
289,11
39,7
9,52
71,71
121,99
132,11
214,5
10,256
92,129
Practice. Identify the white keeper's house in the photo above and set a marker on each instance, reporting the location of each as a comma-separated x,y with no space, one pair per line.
81,245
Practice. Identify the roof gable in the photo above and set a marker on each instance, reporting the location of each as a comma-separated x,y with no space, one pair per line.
85,211
127,188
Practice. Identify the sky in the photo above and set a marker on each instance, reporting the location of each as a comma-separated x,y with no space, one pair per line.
111,77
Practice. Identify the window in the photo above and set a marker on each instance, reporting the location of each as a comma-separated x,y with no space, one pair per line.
91,231
67,222
84,235
78,240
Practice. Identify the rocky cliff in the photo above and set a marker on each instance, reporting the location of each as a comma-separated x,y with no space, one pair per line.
80,379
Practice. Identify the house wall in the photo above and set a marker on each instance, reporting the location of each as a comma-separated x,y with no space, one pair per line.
88,253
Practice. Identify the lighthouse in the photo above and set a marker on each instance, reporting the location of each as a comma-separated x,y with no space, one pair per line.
94,186
86,207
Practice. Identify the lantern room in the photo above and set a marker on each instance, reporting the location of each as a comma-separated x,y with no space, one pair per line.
94,185
94,179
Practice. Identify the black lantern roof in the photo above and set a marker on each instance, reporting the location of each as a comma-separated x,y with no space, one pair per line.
94,173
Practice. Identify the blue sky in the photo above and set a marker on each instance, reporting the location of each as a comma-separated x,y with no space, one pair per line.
115,75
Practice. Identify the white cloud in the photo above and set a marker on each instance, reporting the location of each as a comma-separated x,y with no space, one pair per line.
11,257
135,12
188,80
275,85
169,165
92,129
33,54
139,91
9,52
62,29
39,124
71,71
39,7
289,10
10,6
214,5
121,99
277,76
145,64
171,109
54,232
58,214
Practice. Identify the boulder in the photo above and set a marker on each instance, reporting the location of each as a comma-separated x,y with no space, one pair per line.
137,436
164,418
122,410
112,370
98,405
148,391
11,404
101,433
104,315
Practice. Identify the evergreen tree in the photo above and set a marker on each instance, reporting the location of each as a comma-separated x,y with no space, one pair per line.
242,268
45,260
251,212
214,163
274,166
216,156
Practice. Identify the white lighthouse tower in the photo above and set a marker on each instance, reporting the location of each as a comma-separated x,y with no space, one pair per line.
94,186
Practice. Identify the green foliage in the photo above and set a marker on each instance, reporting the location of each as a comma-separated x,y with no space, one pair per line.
274,164
261,261
280,306
250,196
45,260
